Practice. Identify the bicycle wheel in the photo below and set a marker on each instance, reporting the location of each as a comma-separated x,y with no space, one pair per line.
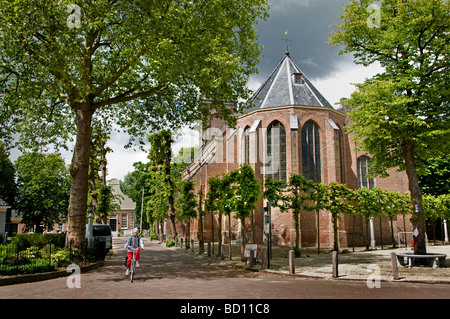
132,270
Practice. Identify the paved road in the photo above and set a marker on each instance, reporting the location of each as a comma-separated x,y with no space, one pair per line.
170,274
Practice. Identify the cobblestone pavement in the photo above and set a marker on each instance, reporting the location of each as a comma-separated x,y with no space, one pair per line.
173,274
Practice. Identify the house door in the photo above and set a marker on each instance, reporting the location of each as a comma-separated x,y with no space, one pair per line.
113,225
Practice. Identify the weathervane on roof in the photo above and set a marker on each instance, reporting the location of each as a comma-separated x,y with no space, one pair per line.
286,39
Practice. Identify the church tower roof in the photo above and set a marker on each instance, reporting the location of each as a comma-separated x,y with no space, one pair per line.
287,85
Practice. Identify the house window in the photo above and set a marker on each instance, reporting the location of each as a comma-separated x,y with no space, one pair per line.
276,151
363,168
124,221
311,164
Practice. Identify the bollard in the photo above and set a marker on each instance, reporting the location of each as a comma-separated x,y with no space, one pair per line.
335,264
209,249
181,243
291,262
394,266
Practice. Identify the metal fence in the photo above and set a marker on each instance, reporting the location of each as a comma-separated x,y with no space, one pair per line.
18,257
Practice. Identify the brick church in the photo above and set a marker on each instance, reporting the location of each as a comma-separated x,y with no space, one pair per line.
289,127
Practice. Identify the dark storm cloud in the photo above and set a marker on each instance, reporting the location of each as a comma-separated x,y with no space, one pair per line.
308,24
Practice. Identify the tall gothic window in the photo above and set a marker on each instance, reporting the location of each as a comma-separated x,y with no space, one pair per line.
338,160
276,151
311,152
246,145
363,167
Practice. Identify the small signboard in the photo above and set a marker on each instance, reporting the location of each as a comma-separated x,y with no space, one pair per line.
266,224
248,247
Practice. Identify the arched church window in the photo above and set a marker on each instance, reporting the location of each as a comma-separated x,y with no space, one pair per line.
276,151
246,145
311,162
339,157
363,168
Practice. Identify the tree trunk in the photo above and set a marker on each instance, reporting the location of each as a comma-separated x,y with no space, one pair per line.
170,186
200,220
220,235
318,232
229,235
335,231
243,239
297,230
212,232
79,171
418,215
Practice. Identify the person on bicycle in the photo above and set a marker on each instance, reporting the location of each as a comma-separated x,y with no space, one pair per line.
134,243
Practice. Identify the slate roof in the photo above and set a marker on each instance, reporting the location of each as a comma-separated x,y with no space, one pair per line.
282,89
125,202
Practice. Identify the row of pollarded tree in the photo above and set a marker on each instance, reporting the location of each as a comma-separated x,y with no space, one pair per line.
238,192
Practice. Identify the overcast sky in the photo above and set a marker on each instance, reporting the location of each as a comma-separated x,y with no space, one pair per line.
308,24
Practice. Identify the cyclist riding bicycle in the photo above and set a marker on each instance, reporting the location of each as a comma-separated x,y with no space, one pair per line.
134,243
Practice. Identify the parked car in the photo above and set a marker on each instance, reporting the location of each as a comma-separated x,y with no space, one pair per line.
102,233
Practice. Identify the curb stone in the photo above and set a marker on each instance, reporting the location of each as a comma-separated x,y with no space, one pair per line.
21,279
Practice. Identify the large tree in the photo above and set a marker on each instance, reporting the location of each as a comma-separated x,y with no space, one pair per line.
43,190
140,64
401,116
7,177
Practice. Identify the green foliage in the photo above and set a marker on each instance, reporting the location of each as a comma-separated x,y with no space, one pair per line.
160,57
140,66
7,177
273,190
247,191
34,253
170,243
43,189
107,202
187,201
401,116
436,180
26,240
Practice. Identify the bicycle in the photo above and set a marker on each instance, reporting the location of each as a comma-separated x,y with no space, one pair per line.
133,265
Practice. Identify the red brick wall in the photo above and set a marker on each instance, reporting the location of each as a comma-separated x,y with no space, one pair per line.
283,229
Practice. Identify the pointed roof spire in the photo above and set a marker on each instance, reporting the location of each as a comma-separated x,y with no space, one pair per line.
287,85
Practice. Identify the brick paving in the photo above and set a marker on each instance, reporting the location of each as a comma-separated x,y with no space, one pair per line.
171,274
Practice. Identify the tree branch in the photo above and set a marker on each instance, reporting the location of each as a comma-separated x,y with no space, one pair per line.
121,98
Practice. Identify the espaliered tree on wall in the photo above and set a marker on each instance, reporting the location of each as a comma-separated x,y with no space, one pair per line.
294,200
142,65
400,116
188,205
339,199
225,203
247,191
